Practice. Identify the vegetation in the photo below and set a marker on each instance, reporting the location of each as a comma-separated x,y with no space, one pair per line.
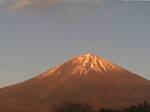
145,107
80,107
73,107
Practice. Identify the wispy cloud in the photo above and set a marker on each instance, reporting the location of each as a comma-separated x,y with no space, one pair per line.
69,7
23,4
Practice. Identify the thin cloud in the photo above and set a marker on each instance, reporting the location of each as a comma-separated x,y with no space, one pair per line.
71,7
23,4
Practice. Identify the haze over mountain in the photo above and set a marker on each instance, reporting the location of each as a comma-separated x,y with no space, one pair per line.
87,78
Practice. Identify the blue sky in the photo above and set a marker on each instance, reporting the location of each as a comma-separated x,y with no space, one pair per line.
35,38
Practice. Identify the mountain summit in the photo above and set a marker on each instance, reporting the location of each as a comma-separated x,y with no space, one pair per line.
90,62
86,78
84,64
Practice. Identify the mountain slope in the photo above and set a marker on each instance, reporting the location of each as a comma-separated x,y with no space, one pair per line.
87,78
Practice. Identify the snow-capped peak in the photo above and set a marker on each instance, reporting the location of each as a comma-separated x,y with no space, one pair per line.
90,62
84,64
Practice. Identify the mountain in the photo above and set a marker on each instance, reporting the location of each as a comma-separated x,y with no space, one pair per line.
87,78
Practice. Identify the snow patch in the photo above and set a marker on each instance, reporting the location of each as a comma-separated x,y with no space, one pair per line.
90,62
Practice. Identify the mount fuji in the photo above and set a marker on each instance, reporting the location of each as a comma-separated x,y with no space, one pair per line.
86,78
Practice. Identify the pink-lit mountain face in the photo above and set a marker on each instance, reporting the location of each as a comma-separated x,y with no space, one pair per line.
87,78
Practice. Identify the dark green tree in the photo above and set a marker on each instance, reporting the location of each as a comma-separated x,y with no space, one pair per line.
73,107
145,107
106,110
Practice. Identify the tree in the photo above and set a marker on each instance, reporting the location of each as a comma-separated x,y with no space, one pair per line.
73,107
106,110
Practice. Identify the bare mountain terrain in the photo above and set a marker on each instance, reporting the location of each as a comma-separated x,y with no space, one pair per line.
87,78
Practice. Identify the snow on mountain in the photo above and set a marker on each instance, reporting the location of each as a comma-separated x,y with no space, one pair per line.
86,63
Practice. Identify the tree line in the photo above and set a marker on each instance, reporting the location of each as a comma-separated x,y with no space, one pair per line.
82,107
